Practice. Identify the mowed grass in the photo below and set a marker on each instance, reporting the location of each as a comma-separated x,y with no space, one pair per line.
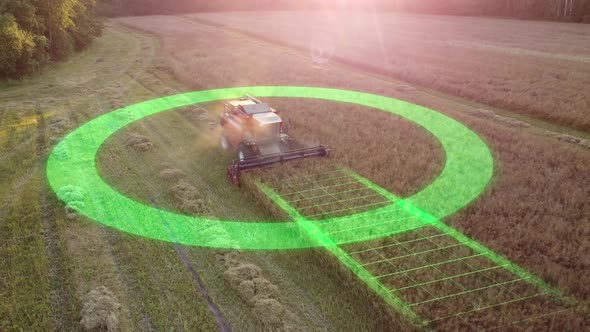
535,211
539,69
49,260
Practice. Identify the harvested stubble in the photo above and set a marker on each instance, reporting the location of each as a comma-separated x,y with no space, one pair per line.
58,124
74,197
585,144
194,114
245,278
185,191
195,206
569,138
269,311
71,214
116,103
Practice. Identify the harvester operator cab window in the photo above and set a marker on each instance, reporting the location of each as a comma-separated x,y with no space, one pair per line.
267,131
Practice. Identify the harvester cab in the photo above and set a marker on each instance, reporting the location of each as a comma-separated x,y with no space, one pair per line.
254,132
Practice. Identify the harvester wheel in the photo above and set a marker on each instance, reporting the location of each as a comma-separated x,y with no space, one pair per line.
244,152
224,143
233,175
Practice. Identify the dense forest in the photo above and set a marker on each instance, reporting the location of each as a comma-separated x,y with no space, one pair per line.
35,32
552,9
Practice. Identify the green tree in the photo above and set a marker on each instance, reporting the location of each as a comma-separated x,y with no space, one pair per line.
86,25
21,52
34,31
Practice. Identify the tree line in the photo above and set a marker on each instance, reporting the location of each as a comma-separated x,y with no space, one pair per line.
552,9
36,32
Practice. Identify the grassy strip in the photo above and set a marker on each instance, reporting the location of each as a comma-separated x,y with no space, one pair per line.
64,307
24,287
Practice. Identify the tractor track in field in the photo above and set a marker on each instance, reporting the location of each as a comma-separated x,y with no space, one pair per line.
113,240
220,320
183,256
62,301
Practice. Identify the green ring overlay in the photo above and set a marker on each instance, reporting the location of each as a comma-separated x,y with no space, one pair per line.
73,175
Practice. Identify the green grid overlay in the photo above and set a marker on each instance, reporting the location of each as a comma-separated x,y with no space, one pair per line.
461,280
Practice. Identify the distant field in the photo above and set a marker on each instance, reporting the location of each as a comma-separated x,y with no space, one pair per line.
540,69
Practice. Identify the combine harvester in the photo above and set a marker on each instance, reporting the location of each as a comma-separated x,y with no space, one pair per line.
254,132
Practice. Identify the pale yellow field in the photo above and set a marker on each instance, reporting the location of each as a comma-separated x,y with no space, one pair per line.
540,69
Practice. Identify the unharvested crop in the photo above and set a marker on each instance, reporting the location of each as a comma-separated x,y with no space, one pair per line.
535,68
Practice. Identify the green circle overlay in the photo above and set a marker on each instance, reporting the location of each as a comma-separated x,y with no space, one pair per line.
73,175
